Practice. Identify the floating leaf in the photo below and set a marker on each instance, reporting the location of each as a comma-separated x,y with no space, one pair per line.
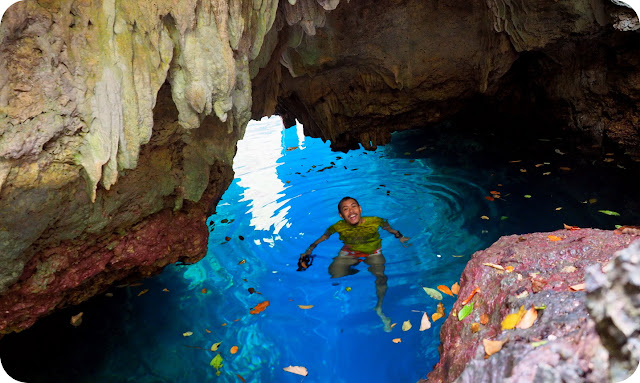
305,307
578,287
396,340
406,325
439,312
558,208
455,288
489,198
484,217
241,262
208,331
565,168
203,291
76,320
251,290
299,370
475,327
494,266
348,288
554,238
493,346
445,289
484,318
425,324
259,307
504,217
476,290
527,196
609,212
511,320
233,349
466,310
593,200
143,292
216,363
241,378
188,333
435,294
528,319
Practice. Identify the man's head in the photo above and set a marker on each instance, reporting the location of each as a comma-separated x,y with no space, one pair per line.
350,210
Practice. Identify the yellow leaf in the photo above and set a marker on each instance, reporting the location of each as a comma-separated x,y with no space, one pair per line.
436,316
188,333
215,346
511,320
393,325
425,324
494,266
475,327
455,288
406,325
493,346
299,370
445,290
305,307
528,319
234,349
396,340
484,217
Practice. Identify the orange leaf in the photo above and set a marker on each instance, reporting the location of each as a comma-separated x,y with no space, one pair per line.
569,227
554,238
241,262
484,318
509,269
396,340
455,288
489,198
204,291
476,290
436,316
475,327
305,307
234,349
259,307
494,192
493,346
445,290
241,378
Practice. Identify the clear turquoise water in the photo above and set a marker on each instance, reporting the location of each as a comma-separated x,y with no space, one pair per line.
283,198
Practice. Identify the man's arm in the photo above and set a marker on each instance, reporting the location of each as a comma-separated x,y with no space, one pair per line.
309,250
396,233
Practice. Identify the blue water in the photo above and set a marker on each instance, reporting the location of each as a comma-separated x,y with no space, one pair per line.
283,198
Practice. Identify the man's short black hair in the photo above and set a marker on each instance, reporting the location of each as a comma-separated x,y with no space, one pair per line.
344,199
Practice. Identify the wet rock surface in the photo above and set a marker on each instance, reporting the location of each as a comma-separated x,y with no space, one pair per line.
562,344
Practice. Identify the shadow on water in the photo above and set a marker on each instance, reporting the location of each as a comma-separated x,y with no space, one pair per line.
452,193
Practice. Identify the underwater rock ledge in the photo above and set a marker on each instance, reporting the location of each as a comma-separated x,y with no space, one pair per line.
566,341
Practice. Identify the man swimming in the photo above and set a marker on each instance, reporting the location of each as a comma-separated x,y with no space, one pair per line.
362,243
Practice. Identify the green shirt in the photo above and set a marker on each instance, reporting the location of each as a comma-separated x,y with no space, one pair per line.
363,237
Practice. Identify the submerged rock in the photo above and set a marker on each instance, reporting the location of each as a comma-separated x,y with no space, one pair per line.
562,344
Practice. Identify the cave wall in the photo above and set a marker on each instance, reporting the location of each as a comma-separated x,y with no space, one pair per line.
121,118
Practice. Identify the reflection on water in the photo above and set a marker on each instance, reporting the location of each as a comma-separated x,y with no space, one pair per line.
433,187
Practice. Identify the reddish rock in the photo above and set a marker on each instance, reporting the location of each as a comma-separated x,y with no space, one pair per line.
544,270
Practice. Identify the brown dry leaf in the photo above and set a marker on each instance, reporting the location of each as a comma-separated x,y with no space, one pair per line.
233,349
554,238
305,307
455,288
143,292
484,318
493,346
440,308
578,287
299,370
565,168
445,289
475,327
396,340
259,307
494,266
76,320
528,319
241,262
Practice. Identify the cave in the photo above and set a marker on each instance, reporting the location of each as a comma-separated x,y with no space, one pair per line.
121,122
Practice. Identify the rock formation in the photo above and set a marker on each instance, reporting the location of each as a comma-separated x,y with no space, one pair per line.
120,119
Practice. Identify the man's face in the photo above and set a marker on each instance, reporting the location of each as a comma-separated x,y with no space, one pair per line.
350,211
